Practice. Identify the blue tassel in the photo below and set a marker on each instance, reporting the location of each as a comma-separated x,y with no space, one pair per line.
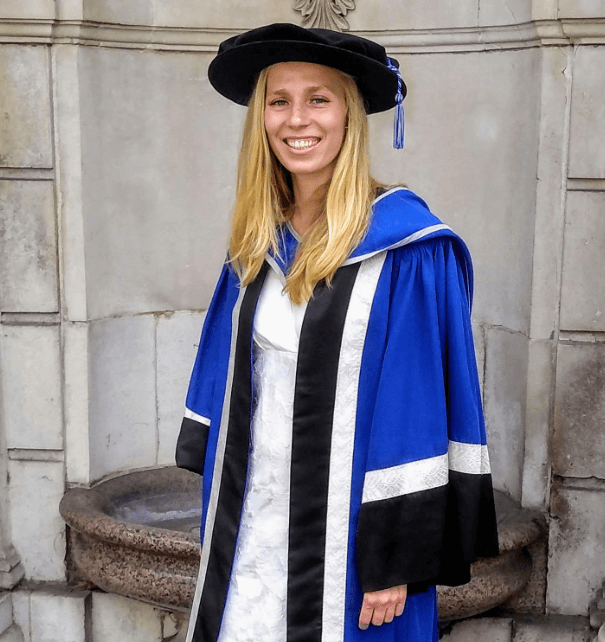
399,125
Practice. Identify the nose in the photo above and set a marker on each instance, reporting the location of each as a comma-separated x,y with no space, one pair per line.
299,114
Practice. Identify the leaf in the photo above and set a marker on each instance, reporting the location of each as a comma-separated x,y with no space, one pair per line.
325,14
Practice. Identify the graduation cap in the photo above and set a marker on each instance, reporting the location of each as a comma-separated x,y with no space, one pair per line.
240,59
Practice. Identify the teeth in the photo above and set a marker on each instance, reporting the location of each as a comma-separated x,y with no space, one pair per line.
301,144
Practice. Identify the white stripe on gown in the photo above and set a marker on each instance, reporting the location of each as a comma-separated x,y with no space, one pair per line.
256,601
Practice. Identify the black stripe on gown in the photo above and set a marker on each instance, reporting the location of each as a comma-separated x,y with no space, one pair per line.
234,473
316,378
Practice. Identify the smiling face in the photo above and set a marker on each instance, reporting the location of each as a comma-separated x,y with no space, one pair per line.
305,114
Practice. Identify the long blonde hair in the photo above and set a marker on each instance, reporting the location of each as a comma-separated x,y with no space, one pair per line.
265,200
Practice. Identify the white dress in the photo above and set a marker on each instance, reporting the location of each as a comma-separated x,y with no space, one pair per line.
256,601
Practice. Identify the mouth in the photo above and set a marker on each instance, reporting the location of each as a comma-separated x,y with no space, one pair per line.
301,143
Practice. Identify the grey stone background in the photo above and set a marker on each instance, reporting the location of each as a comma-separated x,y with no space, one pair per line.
117,172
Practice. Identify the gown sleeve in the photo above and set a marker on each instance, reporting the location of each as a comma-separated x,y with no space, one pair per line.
427,510
201,398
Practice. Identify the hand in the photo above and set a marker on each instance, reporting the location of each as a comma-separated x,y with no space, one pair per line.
382,606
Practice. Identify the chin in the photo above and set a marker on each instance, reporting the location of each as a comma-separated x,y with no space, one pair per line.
303,168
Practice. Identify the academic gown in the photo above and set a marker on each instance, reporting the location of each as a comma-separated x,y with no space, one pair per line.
387,407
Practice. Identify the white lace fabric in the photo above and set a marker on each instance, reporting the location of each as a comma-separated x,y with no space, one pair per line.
256,600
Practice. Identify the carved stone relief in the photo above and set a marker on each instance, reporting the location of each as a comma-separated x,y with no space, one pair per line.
325,14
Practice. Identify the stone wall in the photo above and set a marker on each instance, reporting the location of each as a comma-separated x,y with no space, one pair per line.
117,171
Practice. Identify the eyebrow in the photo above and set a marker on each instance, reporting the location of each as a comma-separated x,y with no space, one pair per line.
311,90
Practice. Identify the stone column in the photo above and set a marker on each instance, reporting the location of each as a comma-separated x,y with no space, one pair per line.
11,570
31,447
24,155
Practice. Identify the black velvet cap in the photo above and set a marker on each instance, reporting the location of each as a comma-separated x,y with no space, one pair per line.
240,59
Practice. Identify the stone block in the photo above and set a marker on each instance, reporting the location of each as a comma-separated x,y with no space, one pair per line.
69,10
159,152
413,14
11,570
25,114
225,14
481,630
576,565
581,8
21,612
122,410
69,170
118,618
578,445
31,382
512,12
583,286
505,402
545,9
587,126
177,340
76,400
553,629
58,617
28,247
232,14
6,611
550,211
12,634
536,461
38,532
473,157
138,12
31,10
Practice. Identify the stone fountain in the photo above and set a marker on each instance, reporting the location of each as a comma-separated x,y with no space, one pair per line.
138,535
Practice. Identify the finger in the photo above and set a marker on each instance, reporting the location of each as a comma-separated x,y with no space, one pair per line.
365,615
399,608
405,595
389,614
378,617
365,618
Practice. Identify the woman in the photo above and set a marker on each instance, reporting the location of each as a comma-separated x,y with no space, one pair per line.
334,407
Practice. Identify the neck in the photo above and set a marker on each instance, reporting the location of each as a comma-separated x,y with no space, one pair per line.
309,196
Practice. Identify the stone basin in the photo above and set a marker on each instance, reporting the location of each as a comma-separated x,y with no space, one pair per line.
138,535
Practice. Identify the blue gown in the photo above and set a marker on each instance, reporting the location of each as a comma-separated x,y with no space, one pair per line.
386,412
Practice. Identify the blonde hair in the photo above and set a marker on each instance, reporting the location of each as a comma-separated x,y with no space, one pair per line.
265,199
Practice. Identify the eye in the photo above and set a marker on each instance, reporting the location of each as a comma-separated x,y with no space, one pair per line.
317,100
278,102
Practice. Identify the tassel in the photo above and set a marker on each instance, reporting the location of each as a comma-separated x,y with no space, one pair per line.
399,125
